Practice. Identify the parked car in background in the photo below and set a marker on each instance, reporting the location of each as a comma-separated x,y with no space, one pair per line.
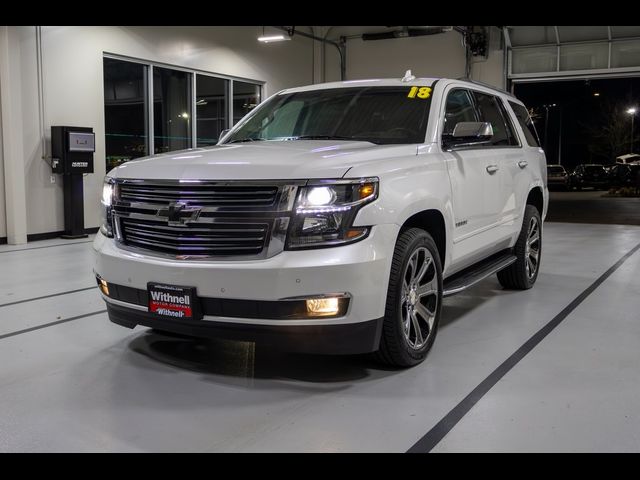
628,158
557,177
624,175
589,175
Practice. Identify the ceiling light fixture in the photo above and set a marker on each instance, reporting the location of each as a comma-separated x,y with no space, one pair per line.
276,37
273,38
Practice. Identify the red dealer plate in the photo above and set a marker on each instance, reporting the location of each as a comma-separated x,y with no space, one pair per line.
172,301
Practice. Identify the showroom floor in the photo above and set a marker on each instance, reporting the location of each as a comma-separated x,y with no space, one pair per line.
72,381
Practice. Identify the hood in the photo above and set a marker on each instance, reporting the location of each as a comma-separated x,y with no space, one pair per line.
265,160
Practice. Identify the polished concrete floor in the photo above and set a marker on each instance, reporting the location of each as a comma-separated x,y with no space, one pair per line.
72,381
591,206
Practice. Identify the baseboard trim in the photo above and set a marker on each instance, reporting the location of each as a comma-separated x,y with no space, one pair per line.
34,237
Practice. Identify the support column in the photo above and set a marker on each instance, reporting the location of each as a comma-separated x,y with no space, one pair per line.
12,148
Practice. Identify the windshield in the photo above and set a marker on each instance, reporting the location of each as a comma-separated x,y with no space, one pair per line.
381,115
593,169
555,169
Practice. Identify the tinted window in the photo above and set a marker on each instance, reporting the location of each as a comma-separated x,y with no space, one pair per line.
459,108
594,169
246,96
125,111
382,115
555,169
171,109
527,125
491,111
211,109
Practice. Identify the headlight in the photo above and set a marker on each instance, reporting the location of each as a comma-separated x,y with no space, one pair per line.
106,202
325,211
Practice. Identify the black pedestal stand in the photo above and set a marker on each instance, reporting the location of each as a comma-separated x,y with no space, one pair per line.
73,206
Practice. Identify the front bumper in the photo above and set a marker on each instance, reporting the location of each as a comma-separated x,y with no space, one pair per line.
344,339
360,269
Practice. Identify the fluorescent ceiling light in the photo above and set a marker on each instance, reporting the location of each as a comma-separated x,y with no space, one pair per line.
273,38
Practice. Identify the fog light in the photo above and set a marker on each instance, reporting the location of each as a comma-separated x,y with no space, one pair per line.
104,286
322,307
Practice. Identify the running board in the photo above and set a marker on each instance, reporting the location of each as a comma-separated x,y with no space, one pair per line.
475,273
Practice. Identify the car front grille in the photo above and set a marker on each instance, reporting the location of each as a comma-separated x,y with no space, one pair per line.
203,219
208,239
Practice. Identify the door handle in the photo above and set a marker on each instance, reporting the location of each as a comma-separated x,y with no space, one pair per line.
492,169
523,163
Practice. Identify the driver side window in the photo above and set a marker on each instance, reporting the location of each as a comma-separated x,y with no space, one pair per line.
459,108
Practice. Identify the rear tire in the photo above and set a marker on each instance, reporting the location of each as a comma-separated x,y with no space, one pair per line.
414,300
522,274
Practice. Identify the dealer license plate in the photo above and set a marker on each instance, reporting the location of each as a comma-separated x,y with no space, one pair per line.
172,301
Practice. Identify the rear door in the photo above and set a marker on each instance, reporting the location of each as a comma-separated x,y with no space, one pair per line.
531,166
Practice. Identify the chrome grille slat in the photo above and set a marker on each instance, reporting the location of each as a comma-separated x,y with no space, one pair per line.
200,194
183,238
208,191
197,229
191,248
198,200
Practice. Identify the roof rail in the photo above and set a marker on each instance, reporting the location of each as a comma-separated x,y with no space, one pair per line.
483,84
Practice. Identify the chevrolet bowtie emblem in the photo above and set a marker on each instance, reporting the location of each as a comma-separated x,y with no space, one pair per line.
178,214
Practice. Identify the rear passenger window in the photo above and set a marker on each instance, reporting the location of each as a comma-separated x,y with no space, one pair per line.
459,108
527,125
491,111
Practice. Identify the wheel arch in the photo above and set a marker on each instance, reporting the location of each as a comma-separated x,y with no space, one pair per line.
432,221
536,198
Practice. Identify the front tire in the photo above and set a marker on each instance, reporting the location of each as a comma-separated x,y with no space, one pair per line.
522,274
414,300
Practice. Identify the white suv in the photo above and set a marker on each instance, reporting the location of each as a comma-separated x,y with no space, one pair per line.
332,219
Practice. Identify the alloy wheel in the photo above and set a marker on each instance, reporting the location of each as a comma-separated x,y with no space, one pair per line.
532,248
419,298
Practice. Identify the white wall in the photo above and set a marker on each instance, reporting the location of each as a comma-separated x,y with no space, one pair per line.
3,218
73,84
491,70
440,55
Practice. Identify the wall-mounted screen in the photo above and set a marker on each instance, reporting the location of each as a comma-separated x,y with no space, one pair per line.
82,142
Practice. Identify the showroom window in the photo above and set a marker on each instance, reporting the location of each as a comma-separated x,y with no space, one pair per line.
171,110
212,111
125,111
246,97
189,108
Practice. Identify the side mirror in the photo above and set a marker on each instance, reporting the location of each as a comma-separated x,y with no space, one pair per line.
468,134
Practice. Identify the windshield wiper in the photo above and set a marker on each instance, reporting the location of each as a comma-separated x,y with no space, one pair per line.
247,139
329,137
